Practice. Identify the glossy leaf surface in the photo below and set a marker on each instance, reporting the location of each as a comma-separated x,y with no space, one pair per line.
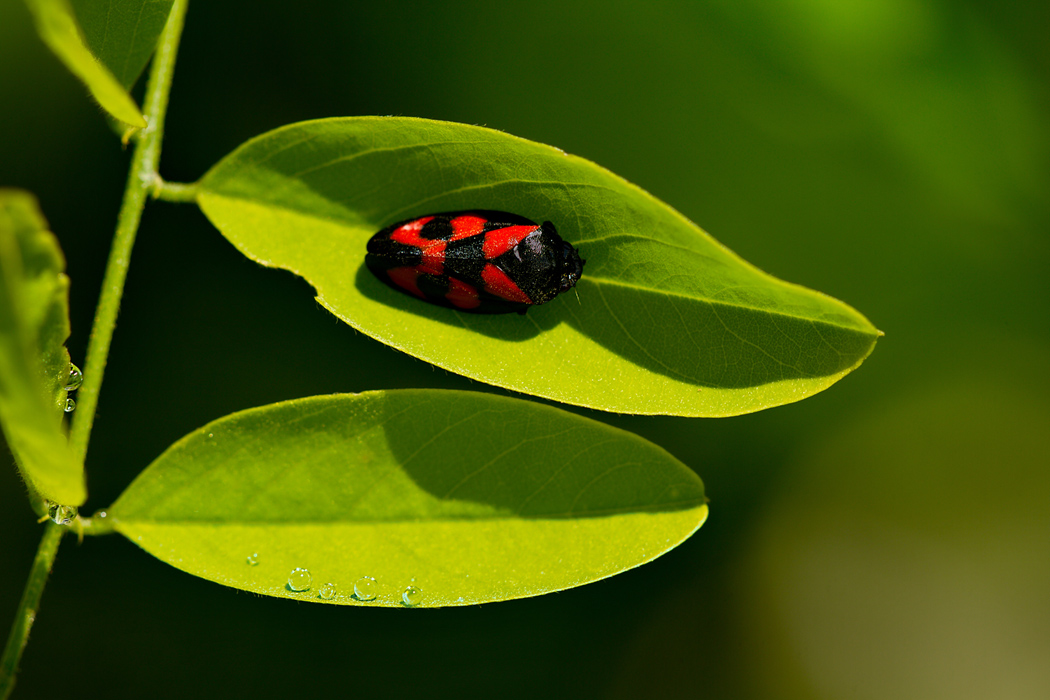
57,26
122,33
34,363
668,321
468,497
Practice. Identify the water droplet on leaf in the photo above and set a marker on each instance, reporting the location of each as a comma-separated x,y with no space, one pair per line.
328,591
253,559
300,580
365,588
75,378
69,405
412,596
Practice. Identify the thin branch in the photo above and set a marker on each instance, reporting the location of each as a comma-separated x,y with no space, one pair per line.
141,179
174,191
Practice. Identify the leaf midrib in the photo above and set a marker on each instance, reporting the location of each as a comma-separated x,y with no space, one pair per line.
726,304
874,333
670,506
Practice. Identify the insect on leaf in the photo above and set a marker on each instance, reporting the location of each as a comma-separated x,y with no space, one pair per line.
668,320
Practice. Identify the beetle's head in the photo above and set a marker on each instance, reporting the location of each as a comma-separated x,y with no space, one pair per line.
571,267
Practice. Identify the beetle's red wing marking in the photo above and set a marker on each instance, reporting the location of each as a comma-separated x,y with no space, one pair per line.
478,261
498,284
406,278
466,226
462,295
431,266
433,259
501,240
433,250
409,235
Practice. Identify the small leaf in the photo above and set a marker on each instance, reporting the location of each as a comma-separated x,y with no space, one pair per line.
34,364
468,497
58,28
668,320
122,33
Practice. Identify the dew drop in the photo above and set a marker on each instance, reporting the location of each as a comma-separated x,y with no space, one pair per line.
60,514
69,405
365,588
412,596
300,580
100,514
75,379
253,560
327,591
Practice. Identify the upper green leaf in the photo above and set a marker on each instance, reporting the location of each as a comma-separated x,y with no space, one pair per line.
668,320
58,27
34,364
122,33
468,497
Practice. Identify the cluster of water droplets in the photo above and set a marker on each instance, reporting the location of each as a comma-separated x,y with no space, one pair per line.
73,382
366,589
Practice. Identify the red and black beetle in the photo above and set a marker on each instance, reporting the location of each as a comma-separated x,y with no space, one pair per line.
488,262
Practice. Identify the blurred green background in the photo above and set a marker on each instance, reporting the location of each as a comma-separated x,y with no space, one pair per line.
889,538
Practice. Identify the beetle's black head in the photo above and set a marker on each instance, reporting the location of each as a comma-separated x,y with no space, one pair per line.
568,261
571,267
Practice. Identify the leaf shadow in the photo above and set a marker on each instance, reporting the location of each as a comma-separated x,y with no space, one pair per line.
707,345
560,467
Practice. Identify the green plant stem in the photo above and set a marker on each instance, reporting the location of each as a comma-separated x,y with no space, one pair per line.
141,180
174,191
26,613
98,524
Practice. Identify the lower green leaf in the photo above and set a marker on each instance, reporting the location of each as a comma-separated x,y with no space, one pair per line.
416,498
